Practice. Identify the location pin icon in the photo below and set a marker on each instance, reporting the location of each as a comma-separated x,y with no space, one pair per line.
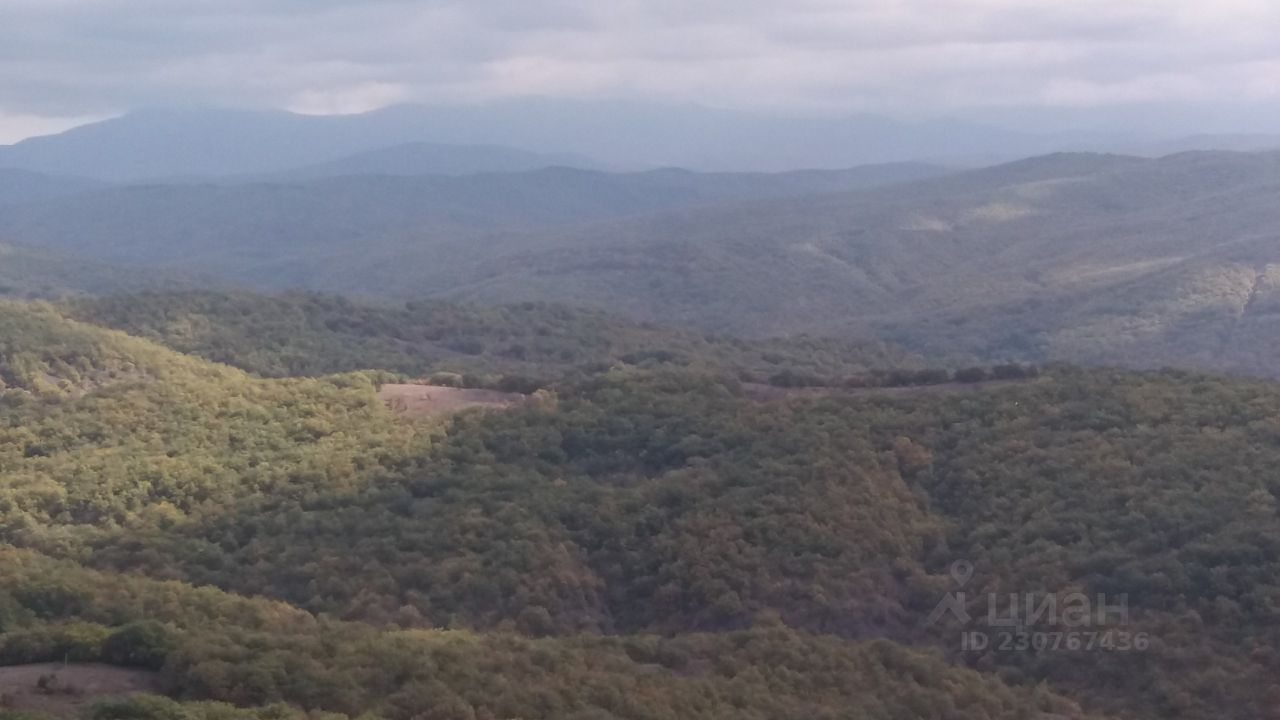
961,571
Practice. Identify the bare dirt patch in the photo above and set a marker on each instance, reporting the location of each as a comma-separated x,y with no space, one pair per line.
427,400
68,689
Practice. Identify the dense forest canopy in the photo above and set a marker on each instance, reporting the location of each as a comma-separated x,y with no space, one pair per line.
313,334
647,539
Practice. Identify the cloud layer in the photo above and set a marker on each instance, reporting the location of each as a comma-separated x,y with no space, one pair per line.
63,59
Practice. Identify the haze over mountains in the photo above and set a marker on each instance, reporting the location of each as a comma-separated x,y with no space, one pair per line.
1092,258
166,143
21,186
1102,259
1112,259
283,233
419,158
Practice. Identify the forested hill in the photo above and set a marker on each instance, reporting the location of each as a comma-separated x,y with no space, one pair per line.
1080,258
638,541
314,334
29,272
296,232
128,458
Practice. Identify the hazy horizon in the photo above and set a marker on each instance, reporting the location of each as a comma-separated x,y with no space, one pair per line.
1164,67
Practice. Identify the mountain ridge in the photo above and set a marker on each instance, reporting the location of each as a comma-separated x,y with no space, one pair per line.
161,143
1092,258
424,158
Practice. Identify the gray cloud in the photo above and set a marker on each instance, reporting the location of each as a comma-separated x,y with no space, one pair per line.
62,59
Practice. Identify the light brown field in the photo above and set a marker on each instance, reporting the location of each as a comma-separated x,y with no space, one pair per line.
429,400
76,686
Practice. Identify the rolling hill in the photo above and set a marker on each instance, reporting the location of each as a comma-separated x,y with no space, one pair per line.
30,272
437,159
1098,259
312,334
111,443
1086,258
287,234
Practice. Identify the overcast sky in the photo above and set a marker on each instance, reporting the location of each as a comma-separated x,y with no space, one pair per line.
65,61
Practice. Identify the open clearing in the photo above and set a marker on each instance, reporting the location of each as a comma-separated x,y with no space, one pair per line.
427,400
73,687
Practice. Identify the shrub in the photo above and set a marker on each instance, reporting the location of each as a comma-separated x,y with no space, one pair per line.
793,379
971,375
446,379
1014,371
52,601
74,642
12,613
143,644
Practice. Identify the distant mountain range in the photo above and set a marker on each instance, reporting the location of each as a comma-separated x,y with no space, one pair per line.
1097,258
1094,258
285,233
410,139
421,158
163,145
1088,258
22,186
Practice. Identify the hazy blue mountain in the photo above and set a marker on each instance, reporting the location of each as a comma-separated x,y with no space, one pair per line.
613,134
165,144
691,136
161,143
421,158
20,186
1096,258
245,230
1087,258
1189,143
1091,258
201,142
